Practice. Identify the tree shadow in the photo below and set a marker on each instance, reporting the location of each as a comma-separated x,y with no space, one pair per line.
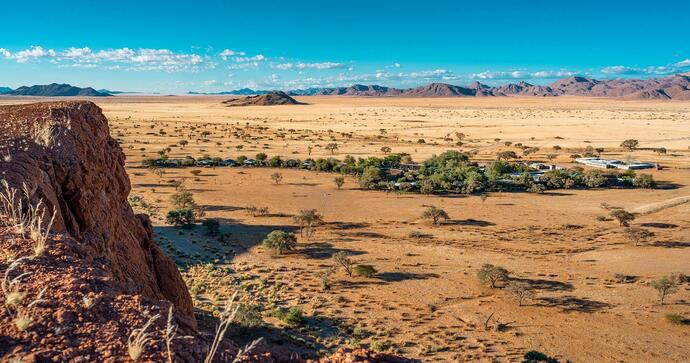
470,222
664,185
361,234
556,194
672,244
324,250
402,276
659,225
547,285
222,208
347,225
572,303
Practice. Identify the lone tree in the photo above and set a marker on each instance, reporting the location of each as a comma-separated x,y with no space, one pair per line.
436,214
182,217
506,155
280,241
490,274
343,259
332,147
386,150
636,235
339,181
307,219
277,177
183,199
667,285
520,290
623,217
630,144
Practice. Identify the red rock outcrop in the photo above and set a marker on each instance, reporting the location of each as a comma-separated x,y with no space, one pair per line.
63,153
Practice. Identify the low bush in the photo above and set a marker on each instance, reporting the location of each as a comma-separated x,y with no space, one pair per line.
182,217
365,271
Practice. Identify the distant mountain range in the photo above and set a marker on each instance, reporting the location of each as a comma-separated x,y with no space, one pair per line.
238,92
5,90
57,90
675,87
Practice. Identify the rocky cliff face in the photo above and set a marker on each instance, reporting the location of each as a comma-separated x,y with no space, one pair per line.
64,154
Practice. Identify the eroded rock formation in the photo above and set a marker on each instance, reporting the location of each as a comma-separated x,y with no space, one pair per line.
63,153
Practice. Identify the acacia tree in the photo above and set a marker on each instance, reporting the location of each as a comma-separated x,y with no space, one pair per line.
386,150
636,235
280,241
339,181
630,144
506,155
277,177
343,259
667,285
436,214
490,274
520,291
332,147
307,219
622,216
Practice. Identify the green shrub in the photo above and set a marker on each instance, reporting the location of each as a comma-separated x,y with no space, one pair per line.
248,316
534,356
280,241
380,346
182,217
183,199
292,317
644,181
593,179
674,318
365,270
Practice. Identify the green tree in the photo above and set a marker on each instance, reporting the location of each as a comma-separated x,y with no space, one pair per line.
370,176
622,216
630,144
666,285
280,241
490,274
435,214
183,217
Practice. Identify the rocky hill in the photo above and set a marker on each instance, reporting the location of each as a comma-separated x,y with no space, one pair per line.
270,99
675,87
99,276
5,90
57,90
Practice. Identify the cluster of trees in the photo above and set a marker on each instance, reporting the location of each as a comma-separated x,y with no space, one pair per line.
451,171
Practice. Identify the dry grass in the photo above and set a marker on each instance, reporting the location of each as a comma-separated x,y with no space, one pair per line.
24,218
138,338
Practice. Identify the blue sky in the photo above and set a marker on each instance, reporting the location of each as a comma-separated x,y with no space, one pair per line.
179,46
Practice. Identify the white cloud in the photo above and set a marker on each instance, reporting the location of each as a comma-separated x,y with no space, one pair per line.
651,70
34,52
143,59
256,58
226,53
521,74
685,63
303,66
210,82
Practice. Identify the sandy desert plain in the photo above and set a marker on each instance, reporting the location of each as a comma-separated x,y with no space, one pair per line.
591,302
